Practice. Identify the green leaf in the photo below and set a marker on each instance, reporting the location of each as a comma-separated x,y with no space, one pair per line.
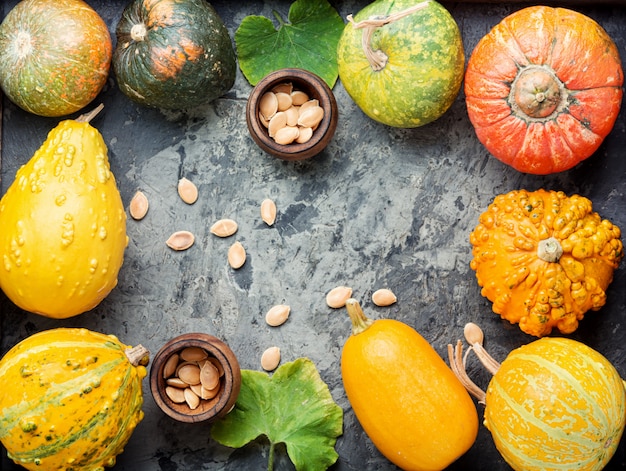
307,41
294,407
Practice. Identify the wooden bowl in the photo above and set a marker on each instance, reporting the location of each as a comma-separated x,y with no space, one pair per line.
315,88
208,410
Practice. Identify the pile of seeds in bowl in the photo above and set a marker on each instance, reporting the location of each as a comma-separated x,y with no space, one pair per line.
289,115
192,375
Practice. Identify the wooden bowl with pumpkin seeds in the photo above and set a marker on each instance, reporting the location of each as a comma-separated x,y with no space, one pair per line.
195,377
292,114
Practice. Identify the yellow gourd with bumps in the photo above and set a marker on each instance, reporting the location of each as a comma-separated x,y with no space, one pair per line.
62,225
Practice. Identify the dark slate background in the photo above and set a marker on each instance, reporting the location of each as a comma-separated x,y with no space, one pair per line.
380,207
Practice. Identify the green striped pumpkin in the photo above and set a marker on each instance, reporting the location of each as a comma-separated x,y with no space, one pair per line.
424,70
70,400
556,404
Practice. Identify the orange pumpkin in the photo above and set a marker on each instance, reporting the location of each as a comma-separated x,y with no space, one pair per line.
543,89
544,259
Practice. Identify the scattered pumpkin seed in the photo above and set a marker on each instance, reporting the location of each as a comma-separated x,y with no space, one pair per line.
337,297
187,191
277,315
236,255
138,206
270,358
180,240
268,211
224,228
384,297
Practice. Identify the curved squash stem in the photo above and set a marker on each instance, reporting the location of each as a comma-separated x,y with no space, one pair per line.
474,336
270,458
138,355
359,321
457,363
85,118
378,59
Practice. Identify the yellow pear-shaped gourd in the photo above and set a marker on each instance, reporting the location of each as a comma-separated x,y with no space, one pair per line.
62,225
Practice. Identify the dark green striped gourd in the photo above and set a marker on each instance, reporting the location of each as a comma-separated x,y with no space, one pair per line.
70,400
424,68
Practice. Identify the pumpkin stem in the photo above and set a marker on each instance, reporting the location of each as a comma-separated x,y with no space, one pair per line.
549,250
360,322
138,355
457,363
378,59
85,118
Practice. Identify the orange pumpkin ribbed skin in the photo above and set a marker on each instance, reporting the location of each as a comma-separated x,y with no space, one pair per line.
513,273
408,401
543,89
556,404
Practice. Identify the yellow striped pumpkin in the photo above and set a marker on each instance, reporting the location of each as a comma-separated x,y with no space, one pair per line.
556,404
71,399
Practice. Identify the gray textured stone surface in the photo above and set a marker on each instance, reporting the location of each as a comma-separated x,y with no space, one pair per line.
381,207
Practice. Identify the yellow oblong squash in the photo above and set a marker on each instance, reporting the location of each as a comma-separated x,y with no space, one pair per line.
63,225
406,398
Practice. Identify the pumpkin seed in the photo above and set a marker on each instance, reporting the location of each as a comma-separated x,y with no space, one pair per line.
203,392
305,135
191,398
311,117
298,97
175,394
278,122
337,297
138,206
188,372
277,315
170,366
270,358
283,87
217,364
193,354
292,116
268,211
224,228
176,383
268,105
187,191
284,101
384,297
308,104
180,240
209,376
236,255
286,135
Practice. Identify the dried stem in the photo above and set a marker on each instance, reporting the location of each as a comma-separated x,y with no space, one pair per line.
474,336
85,118
457,363
138,355
378,59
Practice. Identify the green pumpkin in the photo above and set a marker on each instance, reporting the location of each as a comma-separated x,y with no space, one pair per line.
421,62
173,54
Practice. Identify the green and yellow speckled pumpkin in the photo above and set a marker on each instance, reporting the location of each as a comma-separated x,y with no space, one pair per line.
554,404
412,71
71,399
